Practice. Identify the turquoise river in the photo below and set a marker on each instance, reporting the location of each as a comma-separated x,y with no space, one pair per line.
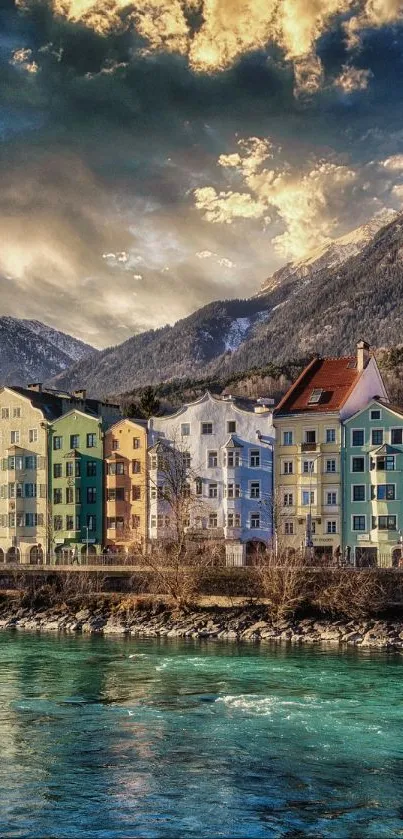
111,739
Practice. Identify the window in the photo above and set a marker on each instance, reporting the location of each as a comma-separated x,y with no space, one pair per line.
91,441
135,522
377,436
330,466
91,523
136,443
57,470
310,436
74,441
30,490
385,463
199,486
15,437
254,458
91,495
213,520
69,495
207,428
331,499
331,526
17,413
153,521
117,494
31,461
255,521
32,520
288,467
307,497
308,466
153,461
5,413
57,496
115,468
375,414
315,396
136,467
232,459
33,435
11,519
136,493
330,435
57,443
357,437
69,469
233,491
233,520
359,492
69,522
358,464
387,522
255,489
212,459
19,489
359,523
396,436
288,499
58,522
115,445
313,528
231,427
91,468
212,491
287,438
385,492
289,528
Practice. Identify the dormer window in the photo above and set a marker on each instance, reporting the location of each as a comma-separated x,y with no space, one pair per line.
315,396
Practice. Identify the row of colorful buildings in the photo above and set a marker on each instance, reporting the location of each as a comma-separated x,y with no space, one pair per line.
322,471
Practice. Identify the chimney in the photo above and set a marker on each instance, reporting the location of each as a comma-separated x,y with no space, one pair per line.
363,355
80,394
37,386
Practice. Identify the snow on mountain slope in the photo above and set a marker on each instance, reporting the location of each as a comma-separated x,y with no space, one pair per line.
72,347
334,252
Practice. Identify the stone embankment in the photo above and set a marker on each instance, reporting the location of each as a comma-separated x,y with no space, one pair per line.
237,624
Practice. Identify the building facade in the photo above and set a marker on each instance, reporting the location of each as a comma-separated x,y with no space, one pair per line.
308,421
125,511
225,460
373,485
75,455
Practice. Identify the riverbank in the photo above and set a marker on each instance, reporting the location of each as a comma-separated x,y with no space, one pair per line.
241,623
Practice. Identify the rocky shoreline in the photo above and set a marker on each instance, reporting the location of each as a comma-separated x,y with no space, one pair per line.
249,624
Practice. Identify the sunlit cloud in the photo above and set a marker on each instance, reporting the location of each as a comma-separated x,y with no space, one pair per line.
352,79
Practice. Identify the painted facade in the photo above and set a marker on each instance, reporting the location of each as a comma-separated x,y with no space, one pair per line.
373,485
228,452
308,421
76,485
125,514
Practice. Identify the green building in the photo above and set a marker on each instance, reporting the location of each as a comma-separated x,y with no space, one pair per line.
76,485
373,485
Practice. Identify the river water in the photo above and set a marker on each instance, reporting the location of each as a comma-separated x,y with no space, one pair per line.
111,738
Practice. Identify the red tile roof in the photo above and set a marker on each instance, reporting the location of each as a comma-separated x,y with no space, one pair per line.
333,378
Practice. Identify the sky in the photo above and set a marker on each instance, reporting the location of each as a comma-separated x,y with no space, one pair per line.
160,154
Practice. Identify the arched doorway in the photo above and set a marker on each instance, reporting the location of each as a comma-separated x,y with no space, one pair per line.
255,550
13,555
36,555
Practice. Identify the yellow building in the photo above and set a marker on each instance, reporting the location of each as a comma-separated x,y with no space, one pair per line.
125,511
24,416
308,422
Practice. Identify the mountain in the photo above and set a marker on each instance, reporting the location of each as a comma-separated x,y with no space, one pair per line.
331,254
31,351
325,310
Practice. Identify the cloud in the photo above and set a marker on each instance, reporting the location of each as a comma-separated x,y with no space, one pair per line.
352,79
394,163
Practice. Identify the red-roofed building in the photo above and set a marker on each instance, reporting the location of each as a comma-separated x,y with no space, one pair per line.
309,438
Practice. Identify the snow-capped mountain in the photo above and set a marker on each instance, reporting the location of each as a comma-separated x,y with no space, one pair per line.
352,290
31,351
332,253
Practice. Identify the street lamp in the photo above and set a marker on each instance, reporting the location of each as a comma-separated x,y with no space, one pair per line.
86,528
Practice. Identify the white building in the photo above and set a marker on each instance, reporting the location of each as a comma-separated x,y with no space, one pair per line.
228,452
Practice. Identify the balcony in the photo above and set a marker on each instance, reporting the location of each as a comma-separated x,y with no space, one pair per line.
309,447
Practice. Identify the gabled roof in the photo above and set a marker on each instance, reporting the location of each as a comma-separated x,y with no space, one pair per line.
50,404
323,386
232,443
385,449
71,455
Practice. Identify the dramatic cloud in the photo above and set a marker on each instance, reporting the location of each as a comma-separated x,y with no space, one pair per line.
128,196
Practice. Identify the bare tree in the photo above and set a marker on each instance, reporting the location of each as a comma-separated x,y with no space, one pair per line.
284,581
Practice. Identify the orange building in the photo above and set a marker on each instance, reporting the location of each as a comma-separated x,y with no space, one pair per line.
125,512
